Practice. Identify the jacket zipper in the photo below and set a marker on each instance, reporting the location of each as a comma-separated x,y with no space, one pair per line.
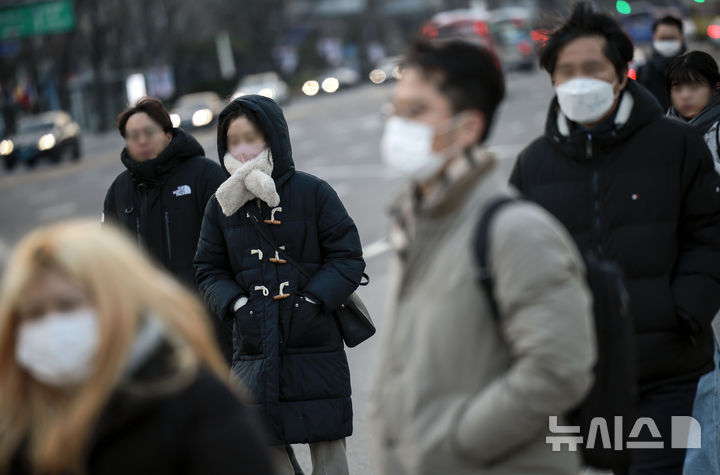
596,197
596,211
588,147
167,237
141,213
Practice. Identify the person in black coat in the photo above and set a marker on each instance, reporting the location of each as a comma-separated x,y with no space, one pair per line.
160,198
639,189
287,346
668,44
109,367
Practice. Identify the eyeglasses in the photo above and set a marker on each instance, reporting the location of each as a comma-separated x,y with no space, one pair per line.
136,135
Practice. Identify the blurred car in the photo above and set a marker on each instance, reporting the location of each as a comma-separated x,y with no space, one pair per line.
53,135
513,38
713,31
196,110
387,69
266,84
332,81
469,24
639,22
639,59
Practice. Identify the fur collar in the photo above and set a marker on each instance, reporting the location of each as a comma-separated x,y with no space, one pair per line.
624,110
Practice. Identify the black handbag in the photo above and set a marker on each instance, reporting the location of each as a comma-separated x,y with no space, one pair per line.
353,318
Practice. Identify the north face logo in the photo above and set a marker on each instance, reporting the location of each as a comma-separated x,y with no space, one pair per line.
182,190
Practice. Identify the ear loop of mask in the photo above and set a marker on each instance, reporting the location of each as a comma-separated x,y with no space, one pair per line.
455,123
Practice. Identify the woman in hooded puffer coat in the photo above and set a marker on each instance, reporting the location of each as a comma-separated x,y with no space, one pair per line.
287,346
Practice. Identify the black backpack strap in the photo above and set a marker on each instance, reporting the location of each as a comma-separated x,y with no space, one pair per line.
482,239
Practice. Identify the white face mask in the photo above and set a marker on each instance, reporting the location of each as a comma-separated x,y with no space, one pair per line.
406,146
585,100
58,349
667,48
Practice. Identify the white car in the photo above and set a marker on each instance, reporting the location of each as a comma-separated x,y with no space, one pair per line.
197,110
332,81
387,69
264,84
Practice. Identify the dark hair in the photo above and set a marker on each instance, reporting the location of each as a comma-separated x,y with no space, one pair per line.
236,113
468,74
586,21
668,20
692,67
153,108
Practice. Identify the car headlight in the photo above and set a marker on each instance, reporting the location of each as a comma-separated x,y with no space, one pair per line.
330,85
267,92
202,117
378,76
176,121
46,142
310,88
6,147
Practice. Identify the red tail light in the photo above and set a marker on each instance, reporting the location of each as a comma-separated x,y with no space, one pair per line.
480,28
430,31
524,47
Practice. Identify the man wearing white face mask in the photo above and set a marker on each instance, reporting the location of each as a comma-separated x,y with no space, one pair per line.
638,189
460,389
668,43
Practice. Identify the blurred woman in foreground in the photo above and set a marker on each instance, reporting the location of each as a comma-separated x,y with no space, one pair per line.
108,366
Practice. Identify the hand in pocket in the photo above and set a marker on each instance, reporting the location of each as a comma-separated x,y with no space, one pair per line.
247,330
308,324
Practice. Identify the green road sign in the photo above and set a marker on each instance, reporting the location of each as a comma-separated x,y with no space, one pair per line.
36,19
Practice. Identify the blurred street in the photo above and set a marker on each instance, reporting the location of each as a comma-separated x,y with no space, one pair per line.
334,137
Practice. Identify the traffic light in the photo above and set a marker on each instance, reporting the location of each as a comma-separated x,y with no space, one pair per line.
699,1
623,7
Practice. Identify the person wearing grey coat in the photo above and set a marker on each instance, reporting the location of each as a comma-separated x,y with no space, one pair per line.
458,390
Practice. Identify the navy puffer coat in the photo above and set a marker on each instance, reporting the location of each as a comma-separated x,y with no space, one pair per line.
288,352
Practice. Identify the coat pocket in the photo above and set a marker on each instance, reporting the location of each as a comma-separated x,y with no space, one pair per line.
247,330
309,324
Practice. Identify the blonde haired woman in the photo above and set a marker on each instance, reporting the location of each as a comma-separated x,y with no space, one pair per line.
108,366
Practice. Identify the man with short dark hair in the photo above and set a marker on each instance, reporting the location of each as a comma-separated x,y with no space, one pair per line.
160,198
638,189
668,44
461,389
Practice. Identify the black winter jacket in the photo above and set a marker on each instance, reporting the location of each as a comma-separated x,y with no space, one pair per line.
652,76
288,352
161,202
200,429
640,190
